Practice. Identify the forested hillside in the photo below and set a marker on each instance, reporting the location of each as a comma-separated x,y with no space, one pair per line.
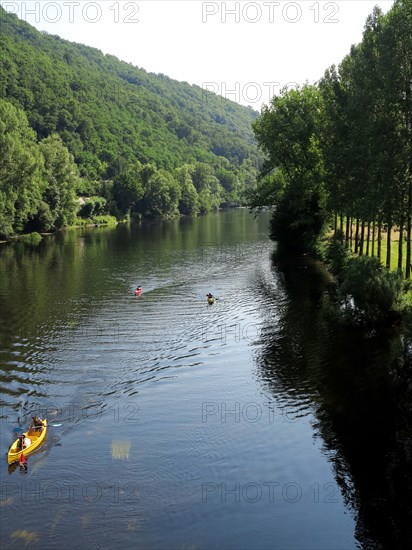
136,142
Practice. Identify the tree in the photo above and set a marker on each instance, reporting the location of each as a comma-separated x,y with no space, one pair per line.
335,143
396,65
61,174
21,165
161,194
208,187
288,133
94,206
268,192
189,201
128,188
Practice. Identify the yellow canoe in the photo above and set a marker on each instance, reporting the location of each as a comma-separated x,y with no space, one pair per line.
211,301
37,437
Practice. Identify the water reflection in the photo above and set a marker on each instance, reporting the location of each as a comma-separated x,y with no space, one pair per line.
121,449
22,536
358,386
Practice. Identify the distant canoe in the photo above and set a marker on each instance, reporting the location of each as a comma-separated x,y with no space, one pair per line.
210,300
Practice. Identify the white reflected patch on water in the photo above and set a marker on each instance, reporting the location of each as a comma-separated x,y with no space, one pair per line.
121,449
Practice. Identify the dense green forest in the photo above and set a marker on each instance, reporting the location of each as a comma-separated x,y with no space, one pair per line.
77,122
339,153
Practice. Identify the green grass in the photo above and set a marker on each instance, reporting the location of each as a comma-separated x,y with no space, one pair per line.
384,248
405,305
95,220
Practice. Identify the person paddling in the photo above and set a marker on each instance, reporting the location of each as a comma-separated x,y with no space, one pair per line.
138,291
210,298
36,423
20,442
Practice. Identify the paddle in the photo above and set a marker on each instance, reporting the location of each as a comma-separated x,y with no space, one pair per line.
20,429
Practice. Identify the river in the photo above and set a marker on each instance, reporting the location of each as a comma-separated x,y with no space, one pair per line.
256,422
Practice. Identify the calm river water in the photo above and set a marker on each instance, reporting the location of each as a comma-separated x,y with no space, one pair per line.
254,423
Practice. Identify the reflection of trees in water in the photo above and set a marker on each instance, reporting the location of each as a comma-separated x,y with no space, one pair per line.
360,389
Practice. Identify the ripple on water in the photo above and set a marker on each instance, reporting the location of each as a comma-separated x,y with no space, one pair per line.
132,376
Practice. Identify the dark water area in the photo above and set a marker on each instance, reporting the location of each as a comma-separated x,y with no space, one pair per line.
257,422
359,385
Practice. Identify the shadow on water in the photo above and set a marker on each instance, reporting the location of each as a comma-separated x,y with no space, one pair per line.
358,387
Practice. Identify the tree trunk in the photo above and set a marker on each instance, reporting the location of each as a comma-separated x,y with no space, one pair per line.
347,229
408,224
400,250
357,236
409,212
373,237
379,239
341,227
388,249
362,239
408,245
351,235
335,224
368,238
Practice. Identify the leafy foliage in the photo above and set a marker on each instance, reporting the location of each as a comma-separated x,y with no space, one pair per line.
111,115
342,150
94,206
21,165
189,200
128,188
161,194
343,147
375,292
60,174
288,132
336,255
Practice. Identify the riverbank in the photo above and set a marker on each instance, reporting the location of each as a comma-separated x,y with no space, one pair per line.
107,220
35,237
368,292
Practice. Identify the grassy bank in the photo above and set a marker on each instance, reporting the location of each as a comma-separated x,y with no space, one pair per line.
368,292
95,220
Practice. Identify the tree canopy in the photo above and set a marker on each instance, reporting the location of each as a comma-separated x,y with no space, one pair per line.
341,149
